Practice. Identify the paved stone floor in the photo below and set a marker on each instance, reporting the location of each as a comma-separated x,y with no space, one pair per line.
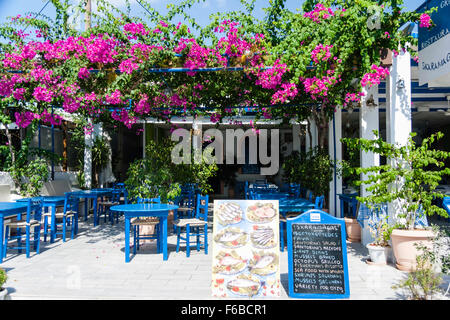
92,266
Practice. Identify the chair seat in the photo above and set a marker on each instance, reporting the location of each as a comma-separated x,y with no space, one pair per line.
194,222
148,221
20,224
184,209
108,203
60,214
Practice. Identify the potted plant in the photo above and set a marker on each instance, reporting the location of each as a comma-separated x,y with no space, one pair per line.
407,181
3,278
424,282
379,248
352,226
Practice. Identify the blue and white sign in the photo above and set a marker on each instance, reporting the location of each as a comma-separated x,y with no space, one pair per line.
317,256
434,46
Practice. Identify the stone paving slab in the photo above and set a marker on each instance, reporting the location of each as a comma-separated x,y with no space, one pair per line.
92,266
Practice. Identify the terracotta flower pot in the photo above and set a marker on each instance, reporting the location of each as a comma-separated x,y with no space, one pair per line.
403,246
353,230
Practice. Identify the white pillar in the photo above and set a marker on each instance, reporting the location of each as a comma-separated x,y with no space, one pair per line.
398,107
334,143
368,122
307,139
398,100
197,140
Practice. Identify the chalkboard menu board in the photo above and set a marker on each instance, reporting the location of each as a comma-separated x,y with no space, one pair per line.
317,256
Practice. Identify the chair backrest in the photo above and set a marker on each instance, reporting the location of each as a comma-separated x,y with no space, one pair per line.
149,200
115,195
201,209
70,202
319,202
119,185
34,205
187,199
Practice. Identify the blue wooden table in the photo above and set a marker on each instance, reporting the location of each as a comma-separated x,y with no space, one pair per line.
286,205
159,210
272,196
9,209
93,194
50,202
295,205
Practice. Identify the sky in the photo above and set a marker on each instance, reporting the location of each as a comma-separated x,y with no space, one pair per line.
200,12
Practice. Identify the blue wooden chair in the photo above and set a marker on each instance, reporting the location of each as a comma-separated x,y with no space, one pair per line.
121,187
136,223
186,205
309,195
294,190
105,204
318,203
68,217
31,224
193,227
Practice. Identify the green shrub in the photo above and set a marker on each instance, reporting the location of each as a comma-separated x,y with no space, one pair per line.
3,277
313,170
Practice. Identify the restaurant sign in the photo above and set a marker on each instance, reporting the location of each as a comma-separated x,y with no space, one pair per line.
317,256
434,46
246,249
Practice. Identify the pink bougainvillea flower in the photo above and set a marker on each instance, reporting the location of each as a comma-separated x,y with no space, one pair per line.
425,20
43,94
83,73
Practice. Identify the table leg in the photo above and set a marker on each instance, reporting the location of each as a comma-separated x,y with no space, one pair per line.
94,209
53,225
127,239
164,237
1,238
85,208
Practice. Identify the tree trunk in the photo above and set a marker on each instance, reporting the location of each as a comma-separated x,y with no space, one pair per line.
64,132
12,153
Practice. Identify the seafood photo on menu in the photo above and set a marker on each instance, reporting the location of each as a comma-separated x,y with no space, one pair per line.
263,237
229,263
261,213
263,263
229,213
231,238
244,285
